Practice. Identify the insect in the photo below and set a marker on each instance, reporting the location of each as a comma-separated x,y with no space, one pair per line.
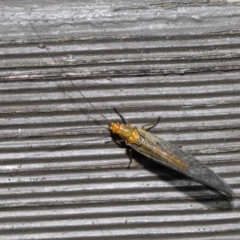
167,154
161,151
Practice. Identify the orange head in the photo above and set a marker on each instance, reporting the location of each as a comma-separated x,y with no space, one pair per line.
127,132
114,127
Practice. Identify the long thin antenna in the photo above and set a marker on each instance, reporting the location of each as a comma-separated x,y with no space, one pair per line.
73,84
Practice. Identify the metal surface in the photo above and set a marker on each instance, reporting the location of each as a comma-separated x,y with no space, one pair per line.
59,179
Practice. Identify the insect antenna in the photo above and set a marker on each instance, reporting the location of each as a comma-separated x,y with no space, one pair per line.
73,84
121,116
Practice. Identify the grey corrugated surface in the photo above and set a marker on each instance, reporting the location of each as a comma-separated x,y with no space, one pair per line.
177,60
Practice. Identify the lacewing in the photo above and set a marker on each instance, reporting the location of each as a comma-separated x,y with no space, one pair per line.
168,154
160,150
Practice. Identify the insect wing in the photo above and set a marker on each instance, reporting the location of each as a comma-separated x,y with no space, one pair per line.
172,156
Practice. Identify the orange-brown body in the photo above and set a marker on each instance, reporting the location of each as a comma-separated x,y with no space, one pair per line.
144,145
126,132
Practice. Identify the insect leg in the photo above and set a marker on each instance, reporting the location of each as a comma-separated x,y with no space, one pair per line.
121,116
151,125
130,150
120,143
130,157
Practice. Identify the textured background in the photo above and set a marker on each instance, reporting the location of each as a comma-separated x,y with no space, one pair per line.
177,60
